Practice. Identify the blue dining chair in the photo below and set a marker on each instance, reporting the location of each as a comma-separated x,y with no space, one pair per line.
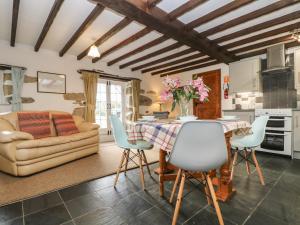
200,147
247,144
121,140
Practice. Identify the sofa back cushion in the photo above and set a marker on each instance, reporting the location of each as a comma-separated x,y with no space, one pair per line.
35,123
64,124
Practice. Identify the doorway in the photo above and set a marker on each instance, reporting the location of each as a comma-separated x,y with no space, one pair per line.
212,108
110,101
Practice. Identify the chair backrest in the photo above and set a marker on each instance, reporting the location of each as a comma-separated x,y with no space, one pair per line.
259,130
199,146
119,132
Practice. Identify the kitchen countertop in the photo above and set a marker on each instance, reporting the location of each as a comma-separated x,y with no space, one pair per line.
238,110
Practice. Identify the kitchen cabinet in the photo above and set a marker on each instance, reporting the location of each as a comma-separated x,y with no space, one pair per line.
242,115
245,76
296,131
297,69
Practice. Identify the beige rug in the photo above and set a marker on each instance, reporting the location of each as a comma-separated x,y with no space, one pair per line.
104,163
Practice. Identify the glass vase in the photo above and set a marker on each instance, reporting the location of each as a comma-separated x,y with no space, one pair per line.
184,107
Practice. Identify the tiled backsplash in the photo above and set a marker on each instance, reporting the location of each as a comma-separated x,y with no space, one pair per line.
246,100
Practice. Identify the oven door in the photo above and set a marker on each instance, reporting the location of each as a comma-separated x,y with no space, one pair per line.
278,142
282,123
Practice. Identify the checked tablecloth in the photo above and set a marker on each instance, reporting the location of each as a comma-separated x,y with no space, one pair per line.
163,134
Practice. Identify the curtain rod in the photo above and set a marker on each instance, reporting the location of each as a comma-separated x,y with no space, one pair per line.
102,74
10,66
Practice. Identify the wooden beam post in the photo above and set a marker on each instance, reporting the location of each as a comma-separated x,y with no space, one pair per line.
14,24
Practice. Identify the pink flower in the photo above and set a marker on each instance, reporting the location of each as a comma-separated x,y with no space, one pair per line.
171,83
166,95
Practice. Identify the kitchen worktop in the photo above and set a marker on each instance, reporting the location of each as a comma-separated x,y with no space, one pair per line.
238,110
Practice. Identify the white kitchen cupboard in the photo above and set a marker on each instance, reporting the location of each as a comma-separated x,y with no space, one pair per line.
296,133
297,68
242,115
245,76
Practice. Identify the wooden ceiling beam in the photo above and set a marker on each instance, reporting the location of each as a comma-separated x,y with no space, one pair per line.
267,34
188,64
190,68
115,29
152,3
217,13
127,41
85,25
172,63
166,58
249,16
188,6
138,50
14,24
263,44
54,10
156,20
152,54
260,26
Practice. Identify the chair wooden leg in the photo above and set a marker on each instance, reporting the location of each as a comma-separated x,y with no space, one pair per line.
207,192
141,169
247,163
261,177
179,199
146,162
175,185
233,164
126,161
215,201
120,167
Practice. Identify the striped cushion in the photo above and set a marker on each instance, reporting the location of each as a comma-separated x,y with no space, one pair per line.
64,124
35,123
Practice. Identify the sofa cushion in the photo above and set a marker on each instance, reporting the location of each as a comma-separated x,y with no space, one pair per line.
64,124
35,123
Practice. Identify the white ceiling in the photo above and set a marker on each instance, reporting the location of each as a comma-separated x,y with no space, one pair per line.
33,14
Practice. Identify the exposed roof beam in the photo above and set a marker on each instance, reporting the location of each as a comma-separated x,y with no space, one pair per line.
54,10
169,57
155,19
249,16
172,63
218,12
260,26
85,25
137,50
152,3
188,64
191,4
190,68
263,44
15,15
121,25
152,54
263,35
127,41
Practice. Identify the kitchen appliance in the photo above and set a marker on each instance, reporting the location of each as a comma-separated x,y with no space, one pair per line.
278,137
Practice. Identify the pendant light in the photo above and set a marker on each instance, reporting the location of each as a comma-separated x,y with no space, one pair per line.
94,52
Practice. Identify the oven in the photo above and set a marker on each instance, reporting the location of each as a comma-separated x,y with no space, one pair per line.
278,136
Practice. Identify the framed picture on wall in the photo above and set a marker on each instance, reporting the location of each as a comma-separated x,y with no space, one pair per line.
51,83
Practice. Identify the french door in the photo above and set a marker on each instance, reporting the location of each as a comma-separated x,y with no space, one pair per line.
110,101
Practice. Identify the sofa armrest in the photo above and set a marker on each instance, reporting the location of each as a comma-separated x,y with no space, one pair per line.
10,136
85,126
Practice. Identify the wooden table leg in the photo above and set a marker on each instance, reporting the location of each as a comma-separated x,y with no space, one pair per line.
224,186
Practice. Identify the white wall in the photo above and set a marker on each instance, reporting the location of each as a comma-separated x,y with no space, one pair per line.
49,61
154,83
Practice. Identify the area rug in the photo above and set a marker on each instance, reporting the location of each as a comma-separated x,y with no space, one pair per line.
104,163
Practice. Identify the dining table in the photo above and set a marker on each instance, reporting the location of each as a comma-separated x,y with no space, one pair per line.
162,134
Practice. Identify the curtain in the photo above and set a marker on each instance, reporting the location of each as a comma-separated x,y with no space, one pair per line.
90,80
17,80
132,96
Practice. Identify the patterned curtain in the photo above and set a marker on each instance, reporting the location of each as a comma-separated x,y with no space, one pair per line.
132,100
90,80
17,81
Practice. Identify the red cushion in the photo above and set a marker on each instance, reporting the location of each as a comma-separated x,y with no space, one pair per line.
35,123
64,124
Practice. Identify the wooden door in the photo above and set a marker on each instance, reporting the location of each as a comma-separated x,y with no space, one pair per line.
211,109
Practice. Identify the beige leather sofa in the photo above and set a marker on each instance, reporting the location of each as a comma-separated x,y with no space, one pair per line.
21,155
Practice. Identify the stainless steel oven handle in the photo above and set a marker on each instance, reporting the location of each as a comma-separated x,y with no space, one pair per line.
275,134
277,119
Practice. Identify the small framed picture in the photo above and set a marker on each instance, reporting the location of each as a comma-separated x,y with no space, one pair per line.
51,83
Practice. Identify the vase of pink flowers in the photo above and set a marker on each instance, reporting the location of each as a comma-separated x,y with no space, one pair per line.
182,93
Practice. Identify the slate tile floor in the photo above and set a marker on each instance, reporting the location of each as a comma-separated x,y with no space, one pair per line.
97,202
